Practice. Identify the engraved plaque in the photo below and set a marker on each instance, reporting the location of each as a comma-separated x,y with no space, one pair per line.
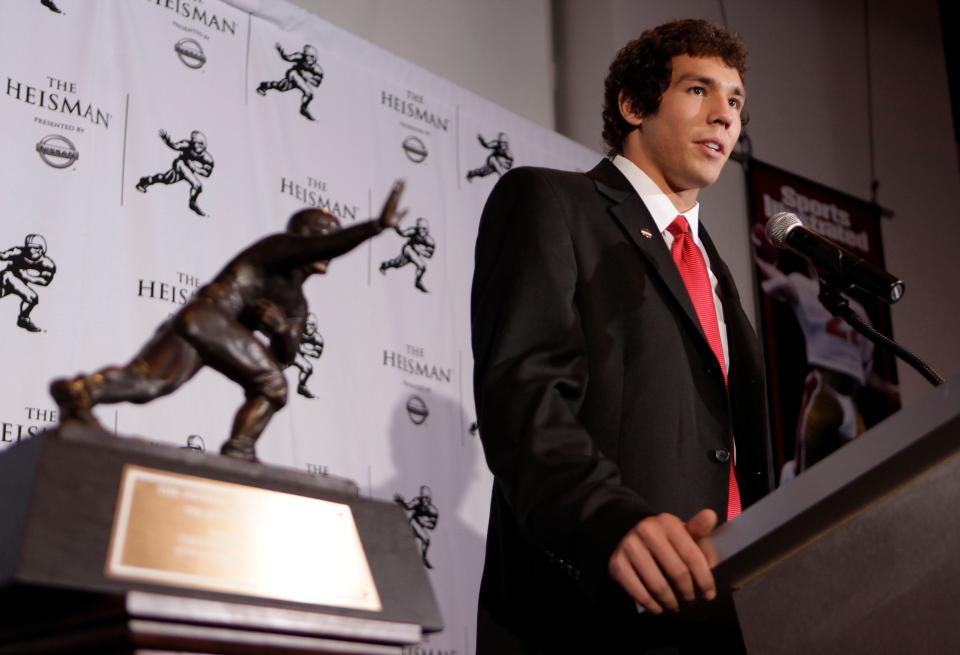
193,532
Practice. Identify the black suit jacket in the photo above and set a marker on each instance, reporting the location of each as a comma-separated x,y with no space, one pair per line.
599,403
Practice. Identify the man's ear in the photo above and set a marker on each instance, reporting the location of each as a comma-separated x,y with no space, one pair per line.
627,111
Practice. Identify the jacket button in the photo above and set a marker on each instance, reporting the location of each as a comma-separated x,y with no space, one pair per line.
722,455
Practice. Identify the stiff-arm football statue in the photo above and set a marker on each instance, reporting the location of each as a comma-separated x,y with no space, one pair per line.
259,290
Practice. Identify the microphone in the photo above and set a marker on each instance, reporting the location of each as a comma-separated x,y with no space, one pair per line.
833,262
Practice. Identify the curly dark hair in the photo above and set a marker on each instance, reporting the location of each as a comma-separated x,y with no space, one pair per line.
643,67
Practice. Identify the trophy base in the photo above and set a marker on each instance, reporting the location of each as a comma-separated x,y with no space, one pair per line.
153,548
57,621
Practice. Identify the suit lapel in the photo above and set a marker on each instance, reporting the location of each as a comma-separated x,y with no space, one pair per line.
747,388
742,363
733,316
632,215
726,288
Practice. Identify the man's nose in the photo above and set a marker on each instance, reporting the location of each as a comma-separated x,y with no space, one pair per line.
721,113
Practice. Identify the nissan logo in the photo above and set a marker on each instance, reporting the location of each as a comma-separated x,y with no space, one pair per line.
57,151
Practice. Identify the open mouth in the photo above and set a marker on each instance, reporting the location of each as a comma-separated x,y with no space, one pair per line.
712,147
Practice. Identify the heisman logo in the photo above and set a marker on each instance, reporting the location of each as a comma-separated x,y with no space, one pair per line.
419,246
311,347
57,151
423,518
414,149
499,160
22,268
302,75
190,53
194,160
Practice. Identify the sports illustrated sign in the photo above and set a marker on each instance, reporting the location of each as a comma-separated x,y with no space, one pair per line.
828,392
138,166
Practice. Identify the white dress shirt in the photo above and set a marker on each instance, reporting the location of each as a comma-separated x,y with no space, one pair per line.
663,212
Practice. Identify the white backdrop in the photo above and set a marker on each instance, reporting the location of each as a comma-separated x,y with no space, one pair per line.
84,95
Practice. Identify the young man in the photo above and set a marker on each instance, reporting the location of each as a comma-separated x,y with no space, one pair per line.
614,369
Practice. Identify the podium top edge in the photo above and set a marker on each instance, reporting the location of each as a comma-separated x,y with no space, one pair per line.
913,429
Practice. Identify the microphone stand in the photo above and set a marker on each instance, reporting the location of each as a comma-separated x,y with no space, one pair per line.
838,305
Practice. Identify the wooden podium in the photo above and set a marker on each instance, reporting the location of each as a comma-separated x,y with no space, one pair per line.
861,553
122,546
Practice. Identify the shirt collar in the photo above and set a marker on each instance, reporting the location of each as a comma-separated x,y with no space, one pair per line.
656,201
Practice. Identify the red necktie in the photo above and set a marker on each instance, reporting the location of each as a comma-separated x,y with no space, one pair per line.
693,270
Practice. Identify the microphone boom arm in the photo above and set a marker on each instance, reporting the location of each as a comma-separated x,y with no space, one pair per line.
837,304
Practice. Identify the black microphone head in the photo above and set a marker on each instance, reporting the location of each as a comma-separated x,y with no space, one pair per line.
779,226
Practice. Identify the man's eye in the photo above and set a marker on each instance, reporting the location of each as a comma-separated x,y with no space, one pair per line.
733,102
697,90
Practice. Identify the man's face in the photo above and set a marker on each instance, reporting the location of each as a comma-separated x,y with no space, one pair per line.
34,253
684,145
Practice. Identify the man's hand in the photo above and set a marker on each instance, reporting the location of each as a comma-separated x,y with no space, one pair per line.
663,557
389,216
